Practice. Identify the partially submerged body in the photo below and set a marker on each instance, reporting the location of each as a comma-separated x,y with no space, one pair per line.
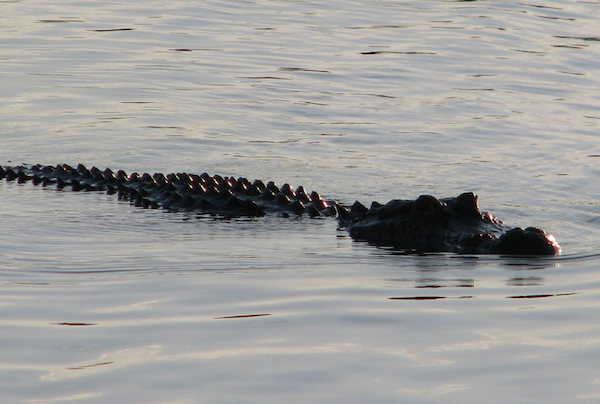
426,224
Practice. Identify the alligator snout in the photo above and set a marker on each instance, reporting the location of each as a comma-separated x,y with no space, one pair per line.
531,241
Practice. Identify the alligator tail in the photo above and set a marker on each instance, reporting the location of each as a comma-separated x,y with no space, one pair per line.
224,196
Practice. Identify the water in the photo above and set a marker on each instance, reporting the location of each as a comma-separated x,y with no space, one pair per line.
369,100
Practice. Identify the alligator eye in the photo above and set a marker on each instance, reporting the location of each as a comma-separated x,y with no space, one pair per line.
427,203
469,199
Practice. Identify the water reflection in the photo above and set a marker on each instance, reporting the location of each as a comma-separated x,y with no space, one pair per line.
538,296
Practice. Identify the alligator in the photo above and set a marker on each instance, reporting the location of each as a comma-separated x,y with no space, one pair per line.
422,225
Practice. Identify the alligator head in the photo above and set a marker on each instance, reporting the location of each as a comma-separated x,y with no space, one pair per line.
428,224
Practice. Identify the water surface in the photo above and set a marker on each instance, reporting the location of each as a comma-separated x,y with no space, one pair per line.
368,100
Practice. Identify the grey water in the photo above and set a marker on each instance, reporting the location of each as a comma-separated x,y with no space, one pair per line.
102,302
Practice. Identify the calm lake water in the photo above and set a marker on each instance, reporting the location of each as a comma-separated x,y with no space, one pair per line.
370,100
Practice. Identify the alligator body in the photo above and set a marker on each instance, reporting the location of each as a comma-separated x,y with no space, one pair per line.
426,224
